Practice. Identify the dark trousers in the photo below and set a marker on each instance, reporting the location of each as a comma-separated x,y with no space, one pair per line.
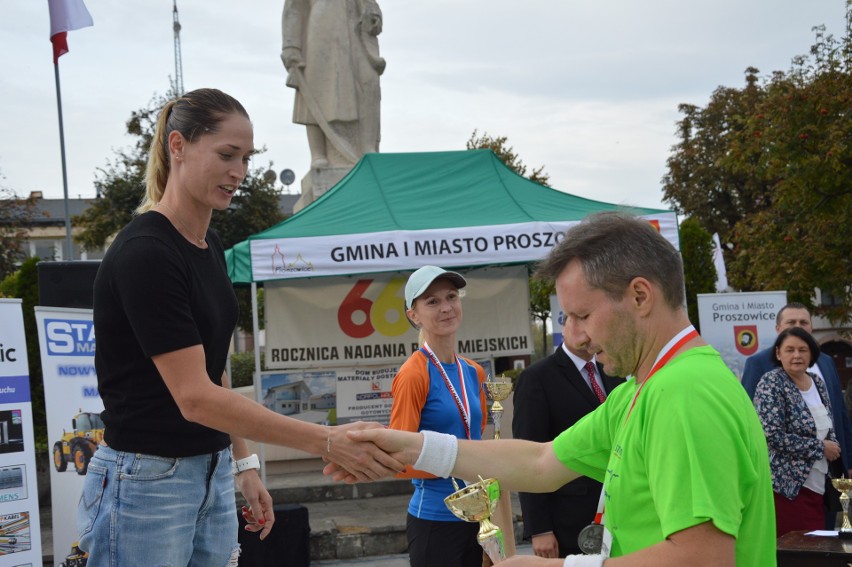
805,512
444,544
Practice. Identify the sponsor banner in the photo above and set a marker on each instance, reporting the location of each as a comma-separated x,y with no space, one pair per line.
348,321
73,406
739,324
344,254
20,535
364,394
332,396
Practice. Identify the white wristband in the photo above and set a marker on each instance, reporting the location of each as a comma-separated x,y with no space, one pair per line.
596,560
250,462
438,455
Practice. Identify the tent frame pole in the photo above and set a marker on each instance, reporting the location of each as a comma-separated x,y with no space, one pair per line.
257,385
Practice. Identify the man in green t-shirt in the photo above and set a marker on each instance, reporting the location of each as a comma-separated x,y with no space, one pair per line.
679,447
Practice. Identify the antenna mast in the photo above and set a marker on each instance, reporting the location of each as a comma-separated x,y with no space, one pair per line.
178,60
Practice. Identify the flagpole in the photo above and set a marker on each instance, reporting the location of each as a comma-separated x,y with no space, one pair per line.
69,250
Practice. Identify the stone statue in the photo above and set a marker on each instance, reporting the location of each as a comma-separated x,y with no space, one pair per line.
331,53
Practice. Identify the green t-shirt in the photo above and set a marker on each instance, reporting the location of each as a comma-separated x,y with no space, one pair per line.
692,450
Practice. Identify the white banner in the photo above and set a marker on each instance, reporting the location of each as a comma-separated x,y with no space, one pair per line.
349,321
344,254
74,428
20,535
739,324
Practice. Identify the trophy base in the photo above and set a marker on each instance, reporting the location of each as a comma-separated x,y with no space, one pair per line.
844,534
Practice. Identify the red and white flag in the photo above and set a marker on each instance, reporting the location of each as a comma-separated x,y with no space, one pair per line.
66,15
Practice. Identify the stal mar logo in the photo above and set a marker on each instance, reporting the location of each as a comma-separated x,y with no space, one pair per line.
69,337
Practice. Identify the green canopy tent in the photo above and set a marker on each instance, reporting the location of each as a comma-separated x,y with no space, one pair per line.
399,211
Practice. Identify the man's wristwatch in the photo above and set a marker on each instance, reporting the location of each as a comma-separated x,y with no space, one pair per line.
250,462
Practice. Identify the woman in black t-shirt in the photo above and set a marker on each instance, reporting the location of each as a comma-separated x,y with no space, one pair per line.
160,490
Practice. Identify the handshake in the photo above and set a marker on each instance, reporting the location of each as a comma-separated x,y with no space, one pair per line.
367,451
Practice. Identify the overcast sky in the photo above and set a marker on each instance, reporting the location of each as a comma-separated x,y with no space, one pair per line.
587,88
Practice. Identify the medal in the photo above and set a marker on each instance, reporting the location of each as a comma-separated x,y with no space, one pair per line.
590,539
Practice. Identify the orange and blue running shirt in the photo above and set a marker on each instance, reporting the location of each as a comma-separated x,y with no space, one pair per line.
421,400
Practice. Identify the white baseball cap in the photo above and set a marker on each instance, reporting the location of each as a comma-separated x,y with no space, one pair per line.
419,282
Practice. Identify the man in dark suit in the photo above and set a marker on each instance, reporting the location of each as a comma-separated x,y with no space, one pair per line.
549,397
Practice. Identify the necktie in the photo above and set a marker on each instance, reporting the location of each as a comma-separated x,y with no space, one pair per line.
590,370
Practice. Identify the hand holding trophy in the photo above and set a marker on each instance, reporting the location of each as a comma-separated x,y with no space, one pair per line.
476,502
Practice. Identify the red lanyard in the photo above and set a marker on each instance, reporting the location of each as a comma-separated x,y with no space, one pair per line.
464,409
600,513
665,355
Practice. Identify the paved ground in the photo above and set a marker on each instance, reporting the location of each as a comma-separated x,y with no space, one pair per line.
383,561
359,525
399,560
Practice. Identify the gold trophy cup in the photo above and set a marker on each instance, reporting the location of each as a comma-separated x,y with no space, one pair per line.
844,485
499,389
475,503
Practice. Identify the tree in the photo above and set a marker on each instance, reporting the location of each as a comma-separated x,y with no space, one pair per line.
254,207
696,247
121,186
695,184
801,133
770,169
540,291
507,155
15,217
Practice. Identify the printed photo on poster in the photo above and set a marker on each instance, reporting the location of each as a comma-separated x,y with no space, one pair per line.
76,445
308,395
13,483
11,431
15,533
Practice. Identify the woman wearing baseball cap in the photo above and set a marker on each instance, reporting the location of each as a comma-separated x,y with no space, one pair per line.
438,390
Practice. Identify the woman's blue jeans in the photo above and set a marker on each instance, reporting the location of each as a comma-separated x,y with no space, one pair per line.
143,510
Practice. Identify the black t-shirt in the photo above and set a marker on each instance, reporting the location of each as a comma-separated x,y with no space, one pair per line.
157,293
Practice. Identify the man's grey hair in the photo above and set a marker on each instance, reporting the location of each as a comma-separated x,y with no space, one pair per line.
613,248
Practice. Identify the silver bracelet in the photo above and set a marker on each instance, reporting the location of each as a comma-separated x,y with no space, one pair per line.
438,455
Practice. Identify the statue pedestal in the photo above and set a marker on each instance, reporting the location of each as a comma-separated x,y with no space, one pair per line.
316,182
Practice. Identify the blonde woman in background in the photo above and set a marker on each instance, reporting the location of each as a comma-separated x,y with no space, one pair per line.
438,390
